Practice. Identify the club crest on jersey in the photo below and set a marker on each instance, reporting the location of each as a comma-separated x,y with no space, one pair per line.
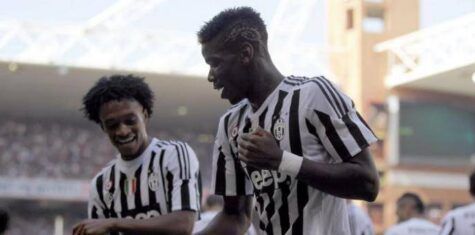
234,131
108,185
153,181
279,129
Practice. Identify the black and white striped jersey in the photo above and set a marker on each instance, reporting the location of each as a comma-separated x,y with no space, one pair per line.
459,221
163,179
311,118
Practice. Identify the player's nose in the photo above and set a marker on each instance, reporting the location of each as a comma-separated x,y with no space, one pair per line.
211,77
122,131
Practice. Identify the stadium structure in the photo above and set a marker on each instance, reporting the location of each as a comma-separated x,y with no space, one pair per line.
49,151
417,89
415,86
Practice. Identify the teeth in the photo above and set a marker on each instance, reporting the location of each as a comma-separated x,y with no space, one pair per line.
124,141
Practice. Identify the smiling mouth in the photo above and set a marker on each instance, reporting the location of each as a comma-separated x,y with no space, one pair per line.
124,141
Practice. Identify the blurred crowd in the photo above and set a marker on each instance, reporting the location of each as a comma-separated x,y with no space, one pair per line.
23,223
50,149
40,222
66,150
59,150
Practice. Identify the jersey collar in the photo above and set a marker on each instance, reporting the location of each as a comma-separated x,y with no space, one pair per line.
132,165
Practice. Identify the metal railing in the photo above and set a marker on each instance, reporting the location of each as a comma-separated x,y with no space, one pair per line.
430,51
104,42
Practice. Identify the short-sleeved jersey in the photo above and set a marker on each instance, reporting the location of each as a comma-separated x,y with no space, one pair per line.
163,179
311,118
414,226
459,221
360,223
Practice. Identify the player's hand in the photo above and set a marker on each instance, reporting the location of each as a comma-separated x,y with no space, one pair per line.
259,149
93,227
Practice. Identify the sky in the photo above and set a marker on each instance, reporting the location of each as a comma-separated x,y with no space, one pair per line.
189,15
168,14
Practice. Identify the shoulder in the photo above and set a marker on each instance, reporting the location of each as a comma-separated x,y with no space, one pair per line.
394,230
234,110
177,148
459,212
98,178
322,95
429,224
173,145
231,116
308,84
404,225
105,169
314,89
422,224
452,214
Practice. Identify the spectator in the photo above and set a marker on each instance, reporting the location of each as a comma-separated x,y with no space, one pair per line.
411,221
56,150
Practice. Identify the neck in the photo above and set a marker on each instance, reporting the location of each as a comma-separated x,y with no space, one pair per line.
139,152
266,79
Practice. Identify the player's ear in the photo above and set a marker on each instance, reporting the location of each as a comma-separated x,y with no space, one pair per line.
146,115
246,53
101,125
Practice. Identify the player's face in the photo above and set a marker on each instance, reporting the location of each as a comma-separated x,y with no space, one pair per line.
403,210
124,123
226,72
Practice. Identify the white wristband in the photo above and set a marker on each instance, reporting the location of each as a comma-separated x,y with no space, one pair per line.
290,163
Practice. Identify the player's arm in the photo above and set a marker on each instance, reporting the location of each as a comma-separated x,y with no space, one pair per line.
95,205
335,125
236,213
182,222
98,222
235,218
355,178
182,164
346,138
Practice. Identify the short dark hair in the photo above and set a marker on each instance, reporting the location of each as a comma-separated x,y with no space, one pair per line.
116,88
239,22
472,183
4,219
419,204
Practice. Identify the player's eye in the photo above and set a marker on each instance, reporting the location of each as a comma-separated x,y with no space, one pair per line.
214,63
130,121
111,126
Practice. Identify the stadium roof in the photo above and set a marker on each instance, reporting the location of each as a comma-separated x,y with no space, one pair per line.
109,41
55,93
439,58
